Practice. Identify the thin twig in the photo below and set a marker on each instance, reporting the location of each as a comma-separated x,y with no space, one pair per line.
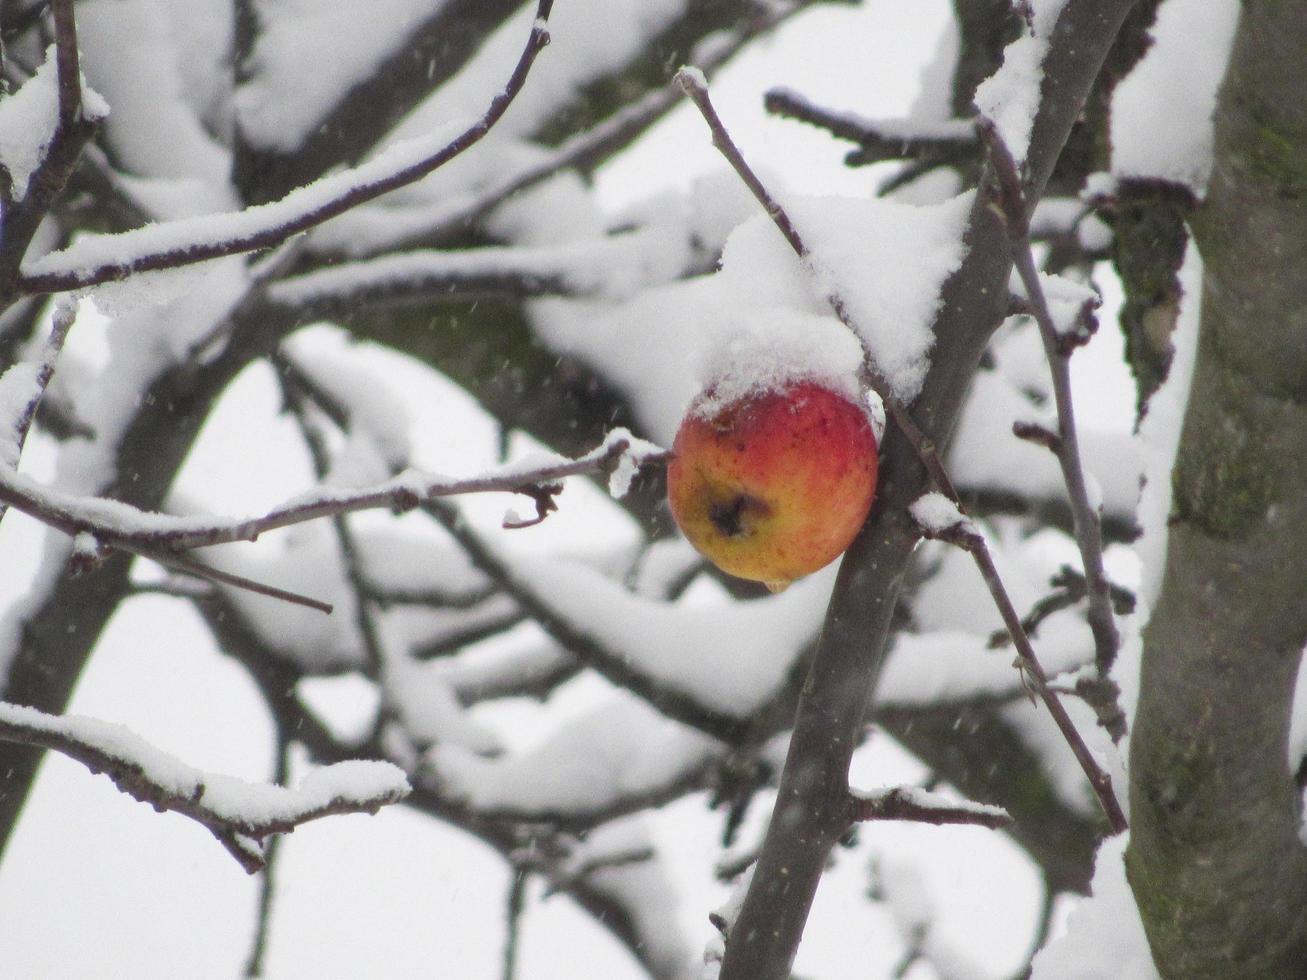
349,552
515,904
964,535
193,566
118,525
1086,519
57,272
64,315
267,882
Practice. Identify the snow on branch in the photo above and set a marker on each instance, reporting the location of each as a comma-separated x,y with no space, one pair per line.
118,525
371,230
923,806
23,385
96,259
880,139
238,813
588,268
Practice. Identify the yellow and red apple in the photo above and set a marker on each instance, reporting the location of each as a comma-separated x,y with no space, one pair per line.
774,484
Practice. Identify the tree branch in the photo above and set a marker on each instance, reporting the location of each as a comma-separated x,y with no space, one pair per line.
176,244
239,814
919,806
1066,447
963,534
117,525
935,142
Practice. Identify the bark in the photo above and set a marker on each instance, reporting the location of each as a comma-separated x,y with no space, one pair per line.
1215,860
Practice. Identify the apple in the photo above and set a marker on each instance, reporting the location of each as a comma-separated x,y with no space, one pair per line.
773,485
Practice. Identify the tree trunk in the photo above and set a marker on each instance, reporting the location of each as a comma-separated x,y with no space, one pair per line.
1215,860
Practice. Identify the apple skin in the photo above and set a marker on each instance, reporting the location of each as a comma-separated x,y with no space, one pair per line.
775,485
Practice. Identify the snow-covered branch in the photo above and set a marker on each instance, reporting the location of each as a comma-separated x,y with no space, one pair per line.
239,814
368,231
922,806
880,139
97,259
112,524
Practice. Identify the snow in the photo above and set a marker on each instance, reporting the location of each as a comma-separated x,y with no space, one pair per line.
424,701
1159,431
588,39
955,665
929,800
905,891
337,42
1162,111
378,418
938,514
888,262
20,386
728,655
130,53
1010,97
620,750
629,463
1067,300
212,231
1105,937
612,266
772,350
645,890
28,118
985,455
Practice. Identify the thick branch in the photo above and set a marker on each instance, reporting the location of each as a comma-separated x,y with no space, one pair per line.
1216,859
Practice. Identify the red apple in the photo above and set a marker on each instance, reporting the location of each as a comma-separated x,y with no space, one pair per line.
773,485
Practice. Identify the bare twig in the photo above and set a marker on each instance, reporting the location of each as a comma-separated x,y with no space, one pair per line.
1086,519
150,776
516,902
272,224
964,535
192,566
